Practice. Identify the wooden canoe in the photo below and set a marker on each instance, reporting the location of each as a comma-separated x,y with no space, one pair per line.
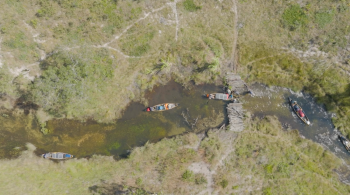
304,119
220,96
345,142
57,155
162,107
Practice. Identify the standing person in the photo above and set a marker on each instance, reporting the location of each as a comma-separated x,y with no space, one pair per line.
228,91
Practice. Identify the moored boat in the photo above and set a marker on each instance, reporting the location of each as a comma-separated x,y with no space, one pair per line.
220,96
57,155
303,118
345,142
162,107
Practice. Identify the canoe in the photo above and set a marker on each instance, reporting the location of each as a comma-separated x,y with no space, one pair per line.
57,155
220,96
162,107
345,142
304,119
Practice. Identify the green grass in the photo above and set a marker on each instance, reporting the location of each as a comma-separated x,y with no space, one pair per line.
73,29
281,161
295,26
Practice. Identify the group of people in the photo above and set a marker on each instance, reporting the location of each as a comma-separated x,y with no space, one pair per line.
298,109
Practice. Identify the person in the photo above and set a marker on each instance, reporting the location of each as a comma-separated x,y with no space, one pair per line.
228,91
301,113
235,94
251,93
295,106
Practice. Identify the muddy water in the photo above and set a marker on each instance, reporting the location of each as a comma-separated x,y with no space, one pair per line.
137,127
274,101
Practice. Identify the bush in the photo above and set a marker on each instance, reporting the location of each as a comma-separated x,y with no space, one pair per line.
187,175
200,179
224,183
323,18
267,191
190,6
294,17
138,181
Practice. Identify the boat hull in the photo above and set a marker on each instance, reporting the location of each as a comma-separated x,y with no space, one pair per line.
305,119
162,107
57,155
220,96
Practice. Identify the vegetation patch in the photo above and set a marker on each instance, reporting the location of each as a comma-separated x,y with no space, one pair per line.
294,16
65,78
324,17
191,6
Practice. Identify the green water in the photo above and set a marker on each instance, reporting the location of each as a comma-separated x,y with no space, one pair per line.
135,128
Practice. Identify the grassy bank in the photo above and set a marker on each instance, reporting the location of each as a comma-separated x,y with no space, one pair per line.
303,46
79,55
264,160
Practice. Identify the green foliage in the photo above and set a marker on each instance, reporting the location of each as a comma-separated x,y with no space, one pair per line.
224,183
200,179
46,9
188,175
269,168
138,45
294,16
323,18
191,6
43,128
17,42
138,181
115,146
65,78
235,187
214,45
267,191
33,23
215,65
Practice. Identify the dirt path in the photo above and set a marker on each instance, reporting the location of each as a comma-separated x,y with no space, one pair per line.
226,137
0,54
233,62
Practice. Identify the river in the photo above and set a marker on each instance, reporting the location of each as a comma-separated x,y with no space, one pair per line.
137,127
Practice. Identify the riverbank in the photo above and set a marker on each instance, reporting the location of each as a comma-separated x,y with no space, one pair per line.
263,158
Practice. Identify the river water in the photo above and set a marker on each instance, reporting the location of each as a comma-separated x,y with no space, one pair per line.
274,101
137,127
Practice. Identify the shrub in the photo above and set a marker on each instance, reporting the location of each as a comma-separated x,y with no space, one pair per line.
138,181
200,179
191,6
224,183
323,18
187,175
267,191
294,17
33,23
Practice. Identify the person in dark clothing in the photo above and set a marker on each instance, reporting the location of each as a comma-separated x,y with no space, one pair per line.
295,106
